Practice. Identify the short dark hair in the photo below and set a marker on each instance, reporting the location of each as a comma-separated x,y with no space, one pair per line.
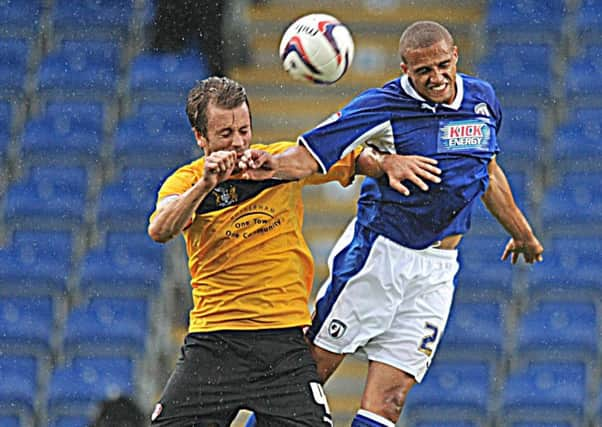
423,34
221,92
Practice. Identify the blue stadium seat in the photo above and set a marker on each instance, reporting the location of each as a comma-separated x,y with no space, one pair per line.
123,267
571,269
91,51
581,83
127,203
70,421
78,387
107,326
520,136
573,204
50,197
26,325
165,76
577,139
589,21
67,134
452,389
455,423
14,55
154,137
36,263
64,75
19,384
545,388
20,18
525,19
475,330
104,19
558,329
482,274
520,73
10,421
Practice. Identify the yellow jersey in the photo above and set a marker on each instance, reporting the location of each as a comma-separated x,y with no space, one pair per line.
249,263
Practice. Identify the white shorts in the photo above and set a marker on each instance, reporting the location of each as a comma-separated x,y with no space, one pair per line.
384,302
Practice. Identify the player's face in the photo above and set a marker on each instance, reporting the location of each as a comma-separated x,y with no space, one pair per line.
432,71
227,129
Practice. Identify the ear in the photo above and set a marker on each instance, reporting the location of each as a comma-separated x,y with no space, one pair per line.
404,68
201,141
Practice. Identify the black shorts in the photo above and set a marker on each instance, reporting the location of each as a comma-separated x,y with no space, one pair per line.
270,372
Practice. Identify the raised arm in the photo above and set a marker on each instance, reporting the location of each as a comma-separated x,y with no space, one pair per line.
499,201
176,212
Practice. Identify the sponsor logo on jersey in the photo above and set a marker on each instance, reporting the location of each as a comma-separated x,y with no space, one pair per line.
463,135
337,329
481,108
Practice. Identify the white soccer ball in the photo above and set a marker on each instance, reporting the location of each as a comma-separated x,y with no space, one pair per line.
317,48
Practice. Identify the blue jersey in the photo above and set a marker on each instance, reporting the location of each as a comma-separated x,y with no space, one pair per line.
396,119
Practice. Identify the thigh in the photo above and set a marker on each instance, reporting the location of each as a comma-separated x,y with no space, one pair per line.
289,393
194,393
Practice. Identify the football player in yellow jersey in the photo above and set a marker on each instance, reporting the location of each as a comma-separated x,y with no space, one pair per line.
251,272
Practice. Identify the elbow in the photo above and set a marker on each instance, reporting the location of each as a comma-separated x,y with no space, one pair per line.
157,235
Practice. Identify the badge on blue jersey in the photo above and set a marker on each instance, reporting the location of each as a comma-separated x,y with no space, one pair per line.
463,135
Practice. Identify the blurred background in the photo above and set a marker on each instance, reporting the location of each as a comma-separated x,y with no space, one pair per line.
92,98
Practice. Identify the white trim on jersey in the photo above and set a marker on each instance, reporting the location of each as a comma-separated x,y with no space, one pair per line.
409,89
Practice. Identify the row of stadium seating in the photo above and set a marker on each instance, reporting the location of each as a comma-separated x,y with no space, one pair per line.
80,279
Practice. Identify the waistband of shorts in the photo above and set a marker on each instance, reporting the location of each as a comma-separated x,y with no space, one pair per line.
440,253
249,332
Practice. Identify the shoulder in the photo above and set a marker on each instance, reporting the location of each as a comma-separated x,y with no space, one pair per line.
474,84
274,147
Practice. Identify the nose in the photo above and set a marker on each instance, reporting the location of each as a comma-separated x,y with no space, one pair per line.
238,140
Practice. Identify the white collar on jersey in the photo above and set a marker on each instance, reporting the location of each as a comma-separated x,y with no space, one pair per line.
409,89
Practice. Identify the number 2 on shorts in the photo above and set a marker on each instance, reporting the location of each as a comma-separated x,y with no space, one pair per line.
429,339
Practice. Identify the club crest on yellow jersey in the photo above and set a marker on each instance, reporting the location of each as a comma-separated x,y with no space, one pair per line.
225,195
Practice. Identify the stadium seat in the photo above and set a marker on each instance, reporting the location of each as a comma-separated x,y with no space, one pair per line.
520,136
67,134
571,270
573,206
77,388
520,73
20,19
525,20
107,326
165,76
64,75
69,421
589,21
26,325
475,331
50,197
10,421
156,138
122,267
127,203
558,330
452,389
106,19
18,387
577,140
36,263
582,87
14,55
455,423
545,388
482,274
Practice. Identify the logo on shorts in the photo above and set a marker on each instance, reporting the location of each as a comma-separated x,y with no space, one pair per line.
337,329
156,411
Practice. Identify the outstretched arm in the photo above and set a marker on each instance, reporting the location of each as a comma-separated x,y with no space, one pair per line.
499,201
298,163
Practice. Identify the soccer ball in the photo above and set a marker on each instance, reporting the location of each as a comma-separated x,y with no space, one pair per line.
316,48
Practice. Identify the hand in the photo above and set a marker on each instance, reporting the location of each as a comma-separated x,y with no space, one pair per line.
532,250
257,165
415,169
219,166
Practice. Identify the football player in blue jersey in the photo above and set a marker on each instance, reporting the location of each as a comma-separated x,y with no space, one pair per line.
391,280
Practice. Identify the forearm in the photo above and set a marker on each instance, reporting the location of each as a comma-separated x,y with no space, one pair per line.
295,163
370,163
500,202
171,219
